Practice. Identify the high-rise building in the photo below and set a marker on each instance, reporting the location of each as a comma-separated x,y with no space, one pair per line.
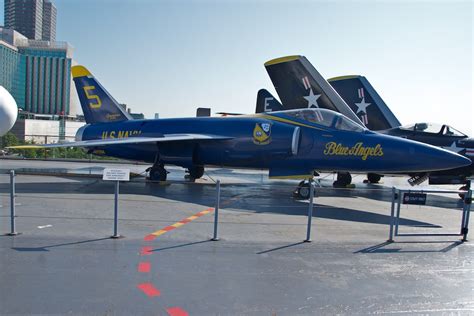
49,21
48,76
37,73
12,65
25,16
36,19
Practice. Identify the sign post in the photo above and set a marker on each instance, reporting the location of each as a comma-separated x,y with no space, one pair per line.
116,175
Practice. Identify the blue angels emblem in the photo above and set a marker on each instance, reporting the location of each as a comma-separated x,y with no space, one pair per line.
262,133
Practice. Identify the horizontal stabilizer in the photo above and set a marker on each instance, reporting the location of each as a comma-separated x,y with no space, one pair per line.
129,140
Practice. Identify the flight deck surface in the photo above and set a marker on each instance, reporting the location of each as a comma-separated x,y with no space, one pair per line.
65,263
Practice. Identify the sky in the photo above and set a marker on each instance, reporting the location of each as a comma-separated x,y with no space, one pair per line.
170,57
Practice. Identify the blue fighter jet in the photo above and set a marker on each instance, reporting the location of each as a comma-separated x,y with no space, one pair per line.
290,144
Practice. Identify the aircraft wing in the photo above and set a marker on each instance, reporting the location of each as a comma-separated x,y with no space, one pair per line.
129,140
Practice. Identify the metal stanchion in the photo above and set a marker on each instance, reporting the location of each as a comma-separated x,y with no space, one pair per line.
466,212
12,204
216,210
397,218
392,214
116,235
310,211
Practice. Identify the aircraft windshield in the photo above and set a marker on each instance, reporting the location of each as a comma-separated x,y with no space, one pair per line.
434,129
326,118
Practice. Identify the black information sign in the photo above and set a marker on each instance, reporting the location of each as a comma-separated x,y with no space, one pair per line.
414,198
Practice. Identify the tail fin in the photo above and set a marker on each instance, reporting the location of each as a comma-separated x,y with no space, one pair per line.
97,104
300,85
266,102
365,102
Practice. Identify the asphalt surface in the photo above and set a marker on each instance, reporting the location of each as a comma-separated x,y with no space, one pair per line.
65,263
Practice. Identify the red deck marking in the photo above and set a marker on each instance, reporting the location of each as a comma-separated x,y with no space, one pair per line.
145,251
177,311
168,228
185,221
144,267
149,289
149,237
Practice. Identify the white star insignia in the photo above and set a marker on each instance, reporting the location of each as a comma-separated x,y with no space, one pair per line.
362,106
312,99
454,148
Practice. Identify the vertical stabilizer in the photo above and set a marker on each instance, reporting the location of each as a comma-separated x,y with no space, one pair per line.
266,102
300,85
365,102
97,104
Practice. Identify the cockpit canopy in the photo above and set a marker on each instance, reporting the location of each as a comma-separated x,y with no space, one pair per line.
434,128
326,118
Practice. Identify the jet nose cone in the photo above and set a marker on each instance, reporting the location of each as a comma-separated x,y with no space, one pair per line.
436,158
452,160
8,111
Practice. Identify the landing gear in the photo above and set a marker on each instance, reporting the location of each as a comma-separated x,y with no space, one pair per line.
463,188
302,191
157,173
373,178
196,172
343,180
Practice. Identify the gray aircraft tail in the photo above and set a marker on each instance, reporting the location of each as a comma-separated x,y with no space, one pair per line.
300,85
365,102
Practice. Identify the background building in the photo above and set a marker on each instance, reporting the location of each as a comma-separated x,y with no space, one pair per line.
37,73
49,21
48,76
12,65
25,16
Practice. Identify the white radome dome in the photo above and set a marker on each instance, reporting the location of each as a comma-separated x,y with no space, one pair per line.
8,111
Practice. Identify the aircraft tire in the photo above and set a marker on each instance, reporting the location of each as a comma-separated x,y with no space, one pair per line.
158,174
462,195
196,172
343,180
303,191
373,177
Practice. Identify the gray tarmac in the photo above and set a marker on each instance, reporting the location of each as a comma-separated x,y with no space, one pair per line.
64,262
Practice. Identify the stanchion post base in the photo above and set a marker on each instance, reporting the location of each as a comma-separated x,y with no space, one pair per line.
215,239
307,240
390,240
13,234
117,236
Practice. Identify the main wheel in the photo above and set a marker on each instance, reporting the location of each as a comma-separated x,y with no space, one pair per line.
343,180
462,195
196,172
158,174
303,191
373,177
